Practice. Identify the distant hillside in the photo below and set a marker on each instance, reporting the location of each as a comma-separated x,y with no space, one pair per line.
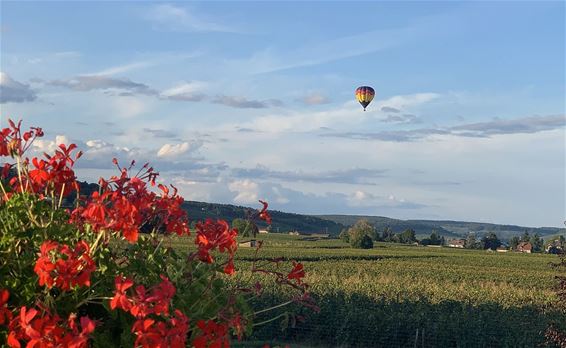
333,224
282,222
398,226
444,227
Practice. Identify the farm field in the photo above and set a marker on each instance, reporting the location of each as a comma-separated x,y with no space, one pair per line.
407,296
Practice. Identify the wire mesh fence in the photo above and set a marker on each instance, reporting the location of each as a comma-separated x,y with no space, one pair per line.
412,325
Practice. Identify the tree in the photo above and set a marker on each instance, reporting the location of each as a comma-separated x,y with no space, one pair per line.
388,234
490,241
344,235
556,246
513,242
434,239
362,228
407,237
471,241
361,241
537,243
244,227
526,237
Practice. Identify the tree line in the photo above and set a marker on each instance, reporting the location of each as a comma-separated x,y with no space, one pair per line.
363,234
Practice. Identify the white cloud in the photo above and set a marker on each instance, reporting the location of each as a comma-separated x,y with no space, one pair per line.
129,106
315,99
279,197
348,114
308,121
247,191
49,146
121,68
14,91
189,91
169,150
175,18
403,102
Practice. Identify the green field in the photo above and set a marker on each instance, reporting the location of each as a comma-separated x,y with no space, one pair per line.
410,296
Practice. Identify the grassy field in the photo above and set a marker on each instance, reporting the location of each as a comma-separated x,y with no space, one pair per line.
410,296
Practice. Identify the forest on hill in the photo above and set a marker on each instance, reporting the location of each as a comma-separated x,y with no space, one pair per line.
333,224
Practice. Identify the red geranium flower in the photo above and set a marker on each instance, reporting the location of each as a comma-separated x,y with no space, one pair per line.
213,335
5,313
263,214
120,299
297,272
73,269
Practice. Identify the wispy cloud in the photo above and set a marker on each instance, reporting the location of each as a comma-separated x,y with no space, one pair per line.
483,129
396,136
12,91
348,176
361,198
404,119
386,108
122,68
160,133
347,114
514,126
314,99
401,102
148,61
244,103
189,91
315,53
168,17
92,82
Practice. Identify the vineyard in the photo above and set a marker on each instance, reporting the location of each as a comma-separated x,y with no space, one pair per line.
409,296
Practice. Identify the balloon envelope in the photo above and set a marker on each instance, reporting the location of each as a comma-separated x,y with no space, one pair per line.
364,95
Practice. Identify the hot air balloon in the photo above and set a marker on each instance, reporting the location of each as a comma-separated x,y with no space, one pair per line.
364,95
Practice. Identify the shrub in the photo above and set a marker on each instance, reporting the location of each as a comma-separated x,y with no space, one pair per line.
360,233
361,241
98,271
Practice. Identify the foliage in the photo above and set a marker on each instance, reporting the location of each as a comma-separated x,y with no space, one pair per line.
360,235
379,297
556,331
98,272
244,227
407,237
537,243
452,229
361,241
344,236
490,241
472,242
557,245
434,239
513,242
388,234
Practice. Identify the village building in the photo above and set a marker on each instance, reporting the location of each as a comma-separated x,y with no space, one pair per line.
457,243
525,247
248,243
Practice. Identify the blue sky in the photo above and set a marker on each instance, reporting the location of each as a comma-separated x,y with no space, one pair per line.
239,101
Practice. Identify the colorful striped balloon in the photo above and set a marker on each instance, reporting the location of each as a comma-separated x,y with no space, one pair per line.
364,95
